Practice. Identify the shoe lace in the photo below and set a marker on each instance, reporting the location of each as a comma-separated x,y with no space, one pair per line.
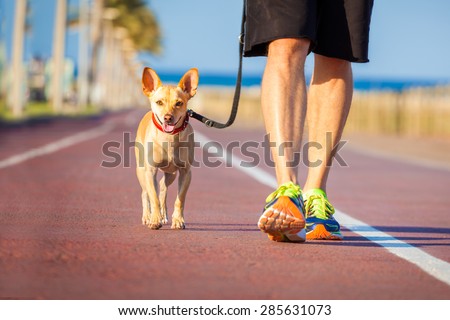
288,189
318,206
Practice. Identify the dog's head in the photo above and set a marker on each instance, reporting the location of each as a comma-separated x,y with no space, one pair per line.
169,103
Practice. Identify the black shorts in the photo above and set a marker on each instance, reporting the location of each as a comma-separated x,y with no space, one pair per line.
336,28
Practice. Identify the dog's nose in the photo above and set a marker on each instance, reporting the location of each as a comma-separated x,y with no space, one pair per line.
168,118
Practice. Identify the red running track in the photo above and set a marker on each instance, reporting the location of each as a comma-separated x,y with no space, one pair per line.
71,229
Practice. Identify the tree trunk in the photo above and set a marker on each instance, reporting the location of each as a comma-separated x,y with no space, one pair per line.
58,54
83,54
17,99
97,33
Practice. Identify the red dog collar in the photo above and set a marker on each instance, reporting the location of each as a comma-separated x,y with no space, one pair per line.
176,130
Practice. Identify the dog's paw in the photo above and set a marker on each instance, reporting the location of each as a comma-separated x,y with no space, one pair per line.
178,224
155,226
164,218
163,215
145,220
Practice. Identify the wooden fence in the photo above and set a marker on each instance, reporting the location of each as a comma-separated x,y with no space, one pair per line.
423,111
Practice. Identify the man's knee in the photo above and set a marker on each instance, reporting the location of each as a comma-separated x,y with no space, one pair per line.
289,48
333,65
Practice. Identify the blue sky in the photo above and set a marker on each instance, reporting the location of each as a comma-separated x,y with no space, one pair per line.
409,38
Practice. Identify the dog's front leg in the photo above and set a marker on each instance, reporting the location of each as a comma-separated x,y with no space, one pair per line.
183,185
165,182
144,196
155,217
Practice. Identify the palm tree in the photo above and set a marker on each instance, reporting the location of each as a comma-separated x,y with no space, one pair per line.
96,33
83,54
17,100
58,54
132,15
140,22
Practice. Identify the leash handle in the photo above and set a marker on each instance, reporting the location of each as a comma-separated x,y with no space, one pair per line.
237,91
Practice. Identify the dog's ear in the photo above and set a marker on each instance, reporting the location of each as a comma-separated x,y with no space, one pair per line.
150,81
189,82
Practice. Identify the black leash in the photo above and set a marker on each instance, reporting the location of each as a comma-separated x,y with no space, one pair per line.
237,90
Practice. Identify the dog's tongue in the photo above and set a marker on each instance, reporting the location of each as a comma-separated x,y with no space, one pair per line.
168,127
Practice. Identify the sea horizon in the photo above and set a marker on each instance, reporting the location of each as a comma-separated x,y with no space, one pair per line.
254,80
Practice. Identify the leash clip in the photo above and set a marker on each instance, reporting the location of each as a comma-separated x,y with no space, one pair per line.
241,38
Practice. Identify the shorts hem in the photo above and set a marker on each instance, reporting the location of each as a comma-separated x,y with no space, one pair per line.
341,57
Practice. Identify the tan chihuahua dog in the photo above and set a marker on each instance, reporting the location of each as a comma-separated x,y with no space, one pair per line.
165,141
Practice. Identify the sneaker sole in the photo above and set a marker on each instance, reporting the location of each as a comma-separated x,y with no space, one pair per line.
281,222
320,233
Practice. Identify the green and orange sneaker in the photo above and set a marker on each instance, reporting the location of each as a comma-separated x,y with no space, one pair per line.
320,223
283,218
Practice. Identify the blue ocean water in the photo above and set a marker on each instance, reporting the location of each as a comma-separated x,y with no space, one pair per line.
211,79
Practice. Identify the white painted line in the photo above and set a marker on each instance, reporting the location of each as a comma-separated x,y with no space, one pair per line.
56,145
435,267
256,173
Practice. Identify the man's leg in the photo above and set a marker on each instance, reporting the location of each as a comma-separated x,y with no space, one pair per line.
283,101
329,100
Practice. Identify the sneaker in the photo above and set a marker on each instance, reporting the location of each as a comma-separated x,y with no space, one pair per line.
320,223
283,218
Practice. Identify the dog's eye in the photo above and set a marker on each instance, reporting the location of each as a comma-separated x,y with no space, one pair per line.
159,103
179,104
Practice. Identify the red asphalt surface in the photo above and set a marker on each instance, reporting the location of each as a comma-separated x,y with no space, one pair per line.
71,229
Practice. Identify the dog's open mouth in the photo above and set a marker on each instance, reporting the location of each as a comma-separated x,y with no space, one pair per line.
168,127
